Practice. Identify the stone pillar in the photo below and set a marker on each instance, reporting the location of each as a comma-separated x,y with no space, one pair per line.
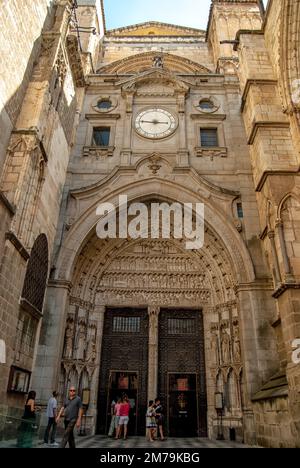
48,363
271,235
126,151
153,312
99,314
182,154
286,260
289,309
259,348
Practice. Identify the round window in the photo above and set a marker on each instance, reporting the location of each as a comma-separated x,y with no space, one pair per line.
104,104
206,104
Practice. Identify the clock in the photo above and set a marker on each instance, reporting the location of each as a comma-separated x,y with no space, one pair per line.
155,123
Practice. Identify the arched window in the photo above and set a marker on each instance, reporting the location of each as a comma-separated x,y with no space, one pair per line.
32,301
36,275
84,382
231,393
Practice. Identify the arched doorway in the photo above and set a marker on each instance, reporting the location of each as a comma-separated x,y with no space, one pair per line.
96,276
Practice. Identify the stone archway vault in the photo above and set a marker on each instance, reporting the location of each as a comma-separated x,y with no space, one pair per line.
83,267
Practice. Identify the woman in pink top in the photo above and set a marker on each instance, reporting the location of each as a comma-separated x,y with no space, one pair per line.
124,411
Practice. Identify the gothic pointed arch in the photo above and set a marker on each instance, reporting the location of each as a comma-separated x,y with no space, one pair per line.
141,62
36,275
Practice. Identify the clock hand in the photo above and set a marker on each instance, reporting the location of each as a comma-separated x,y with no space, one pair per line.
155,122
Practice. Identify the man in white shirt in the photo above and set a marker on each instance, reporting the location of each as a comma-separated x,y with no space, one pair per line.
51,414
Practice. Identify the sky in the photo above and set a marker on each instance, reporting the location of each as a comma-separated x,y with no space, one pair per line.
192,13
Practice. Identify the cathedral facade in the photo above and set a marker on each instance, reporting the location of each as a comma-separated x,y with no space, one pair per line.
160,114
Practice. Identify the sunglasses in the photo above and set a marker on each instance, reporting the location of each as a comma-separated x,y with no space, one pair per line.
72,391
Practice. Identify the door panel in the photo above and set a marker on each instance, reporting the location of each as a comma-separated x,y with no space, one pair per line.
124,352
182,378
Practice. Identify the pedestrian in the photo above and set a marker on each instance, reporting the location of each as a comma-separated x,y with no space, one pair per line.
151,422
115,411
72,412
28,425
159,411
124,417
51,415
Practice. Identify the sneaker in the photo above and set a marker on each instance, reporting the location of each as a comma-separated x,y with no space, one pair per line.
54,444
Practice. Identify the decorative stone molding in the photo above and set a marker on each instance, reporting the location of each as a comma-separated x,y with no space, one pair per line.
207,97
17,244
140,62
289,58
98,152
211,153
7,204
75,61
105,97
157,296
228,65
152,77
102,118
154,165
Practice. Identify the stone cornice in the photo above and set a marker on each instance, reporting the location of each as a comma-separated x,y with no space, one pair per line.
104,116
267,174
265,124
215,117
33,132
285,287
263,285
241,32
11,236
254,82
60,284
11,209
154,40
156,24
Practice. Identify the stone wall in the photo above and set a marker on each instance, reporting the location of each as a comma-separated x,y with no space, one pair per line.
273,423
33,178
20,40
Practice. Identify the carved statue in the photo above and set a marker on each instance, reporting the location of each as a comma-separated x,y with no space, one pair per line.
215,349
68,347
92,354
225,347
158,62
237,354
81,341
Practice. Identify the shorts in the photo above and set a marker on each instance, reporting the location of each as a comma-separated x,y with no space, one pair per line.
160,420
124,420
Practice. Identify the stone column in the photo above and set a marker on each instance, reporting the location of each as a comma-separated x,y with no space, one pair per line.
271,236
99,314
286,260
289,309
182,154
49,356
259,348
153,312
126,151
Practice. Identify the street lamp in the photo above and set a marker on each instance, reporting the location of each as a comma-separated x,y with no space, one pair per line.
219,405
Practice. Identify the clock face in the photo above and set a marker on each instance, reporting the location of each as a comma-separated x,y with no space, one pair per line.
155,123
